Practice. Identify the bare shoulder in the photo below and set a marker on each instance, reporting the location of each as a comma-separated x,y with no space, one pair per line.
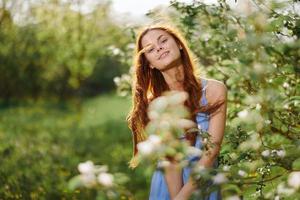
215,91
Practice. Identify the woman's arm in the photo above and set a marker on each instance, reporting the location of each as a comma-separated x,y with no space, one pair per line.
216,91
173,176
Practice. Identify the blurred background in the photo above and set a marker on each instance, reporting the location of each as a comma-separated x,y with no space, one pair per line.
65,81
58,102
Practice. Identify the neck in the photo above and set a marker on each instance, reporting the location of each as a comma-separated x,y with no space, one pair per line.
174,77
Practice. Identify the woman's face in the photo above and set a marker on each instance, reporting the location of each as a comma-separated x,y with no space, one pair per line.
161,49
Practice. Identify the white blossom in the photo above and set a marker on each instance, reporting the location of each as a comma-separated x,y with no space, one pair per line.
178,98
199,169
145,147
285,85
282,189
220,178
269,195
294,179
163,163
86,167
193,151
116,51
164,125
117,80
88,179
243,114
101,169
185,123
235,197
126,77
265,153
242,173
159,104
105,179
131,46
155,140
280,153
246,7
226,168
251,143
276,197
152,114
258,106
268,121
206,36
258,68
199,126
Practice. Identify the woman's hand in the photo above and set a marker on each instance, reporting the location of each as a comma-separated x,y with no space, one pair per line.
173,176
186,191
179,198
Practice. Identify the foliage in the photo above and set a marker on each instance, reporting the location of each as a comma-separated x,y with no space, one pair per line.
256,54
56,50
42,142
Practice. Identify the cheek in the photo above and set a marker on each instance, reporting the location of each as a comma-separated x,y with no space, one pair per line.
151,59
176,51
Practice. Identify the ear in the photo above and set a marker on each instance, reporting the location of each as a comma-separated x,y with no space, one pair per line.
179,45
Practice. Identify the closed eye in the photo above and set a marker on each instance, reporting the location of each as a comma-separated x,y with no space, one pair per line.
150,50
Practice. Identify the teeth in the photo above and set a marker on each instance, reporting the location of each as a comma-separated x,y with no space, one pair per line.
164,54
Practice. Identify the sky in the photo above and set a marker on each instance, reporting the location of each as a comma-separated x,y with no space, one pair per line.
135,10
124,10
139,8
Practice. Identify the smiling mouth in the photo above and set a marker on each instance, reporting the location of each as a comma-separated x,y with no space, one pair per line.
163,55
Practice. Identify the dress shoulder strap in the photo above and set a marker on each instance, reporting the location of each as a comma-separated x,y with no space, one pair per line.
204,101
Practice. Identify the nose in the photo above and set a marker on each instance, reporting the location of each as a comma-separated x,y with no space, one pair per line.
159,48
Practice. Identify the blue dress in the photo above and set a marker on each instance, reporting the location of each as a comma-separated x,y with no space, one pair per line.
159,188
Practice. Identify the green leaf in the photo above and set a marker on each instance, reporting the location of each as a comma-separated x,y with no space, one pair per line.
296,164
75,183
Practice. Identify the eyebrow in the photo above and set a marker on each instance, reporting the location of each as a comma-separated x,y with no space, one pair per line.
158,38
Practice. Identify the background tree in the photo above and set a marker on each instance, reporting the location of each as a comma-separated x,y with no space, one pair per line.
57,49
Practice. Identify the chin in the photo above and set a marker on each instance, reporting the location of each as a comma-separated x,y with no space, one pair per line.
166,62
172,63
164,65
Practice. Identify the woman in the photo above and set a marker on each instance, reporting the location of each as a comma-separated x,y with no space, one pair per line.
163,62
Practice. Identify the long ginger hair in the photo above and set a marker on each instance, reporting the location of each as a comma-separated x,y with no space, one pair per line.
149,83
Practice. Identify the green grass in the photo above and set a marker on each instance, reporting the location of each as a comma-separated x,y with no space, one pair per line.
41,144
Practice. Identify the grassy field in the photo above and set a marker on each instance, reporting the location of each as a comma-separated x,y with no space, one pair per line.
42,142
